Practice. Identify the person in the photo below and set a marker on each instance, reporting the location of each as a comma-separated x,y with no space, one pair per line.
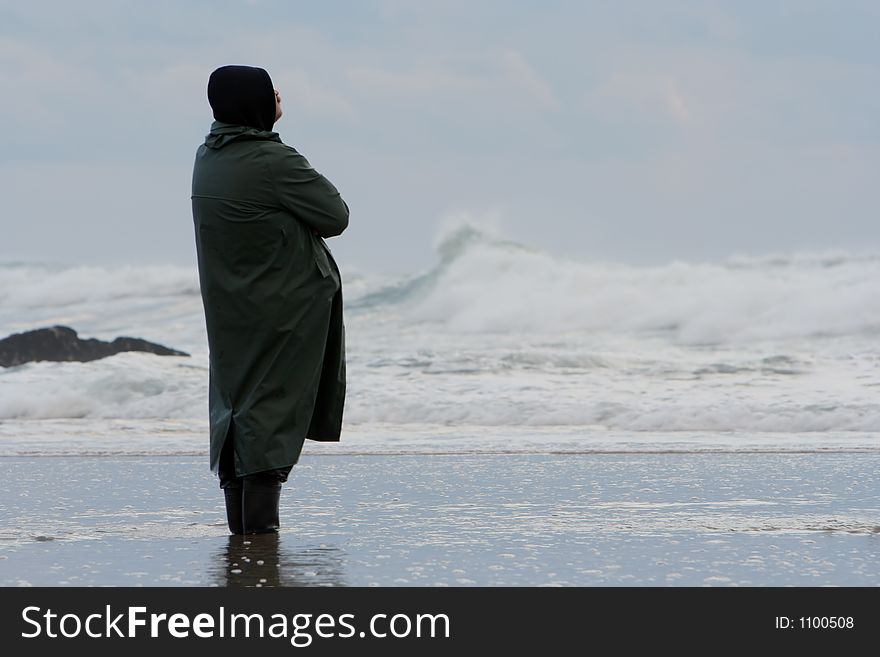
272,297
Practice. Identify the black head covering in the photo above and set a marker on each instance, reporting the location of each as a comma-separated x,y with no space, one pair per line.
243,95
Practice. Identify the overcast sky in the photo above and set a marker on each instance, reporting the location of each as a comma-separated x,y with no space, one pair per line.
631,131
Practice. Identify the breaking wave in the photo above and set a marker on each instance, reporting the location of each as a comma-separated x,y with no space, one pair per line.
498,334
485,284
482,283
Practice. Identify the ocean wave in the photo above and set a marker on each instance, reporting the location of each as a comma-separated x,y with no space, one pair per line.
598,398
497,333
29,286
485,284
127,385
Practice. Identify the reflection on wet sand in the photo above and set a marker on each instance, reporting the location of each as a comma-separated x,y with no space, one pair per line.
261,560
671,519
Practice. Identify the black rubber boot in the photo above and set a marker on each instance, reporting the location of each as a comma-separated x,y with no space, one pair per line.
233,509
259,506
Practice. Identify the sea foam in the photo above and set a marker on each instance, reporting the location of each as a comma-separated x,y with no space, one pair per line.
498,334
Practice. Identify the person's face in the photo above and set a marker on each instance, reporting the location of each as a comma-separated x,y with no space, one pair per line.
278,111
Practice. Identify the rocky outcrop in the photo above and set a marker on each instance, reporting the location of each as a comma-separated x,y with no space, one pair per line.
61,343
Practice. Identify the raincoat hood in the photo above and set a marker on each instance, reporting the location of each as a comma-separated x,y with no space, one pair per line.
242,95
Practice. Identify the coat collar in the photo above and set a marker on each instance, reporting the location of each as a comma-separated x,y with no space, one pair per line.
224,133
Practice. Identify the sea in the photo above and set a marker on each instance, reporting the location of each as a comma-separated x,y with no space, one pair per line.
494,347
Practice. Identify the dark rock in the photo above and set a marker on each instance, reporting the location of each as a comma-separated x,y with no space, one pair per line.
60,343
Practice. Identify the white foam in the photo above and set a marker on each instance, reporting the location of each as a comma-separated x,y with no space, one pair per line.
127,385
499,335
495,286
38,286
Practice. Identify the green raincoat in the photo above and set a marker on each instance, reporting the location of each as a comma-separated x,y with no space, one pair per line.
272,296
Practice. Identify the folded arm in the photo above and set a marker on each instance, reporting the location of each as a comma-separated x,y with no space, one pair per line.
309,196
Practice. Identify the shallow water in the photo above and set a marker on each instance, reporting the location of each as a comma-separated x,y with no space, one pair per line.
460,520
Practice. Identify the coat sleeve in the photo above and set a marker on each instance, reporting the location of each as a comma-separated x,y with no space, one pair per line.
307,195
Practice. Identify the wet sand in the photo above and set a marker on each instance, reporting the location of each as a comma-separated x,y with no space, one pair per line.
460,520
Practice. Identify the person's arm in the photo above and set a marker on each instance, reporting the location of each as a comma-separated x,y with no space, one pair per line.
309,196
